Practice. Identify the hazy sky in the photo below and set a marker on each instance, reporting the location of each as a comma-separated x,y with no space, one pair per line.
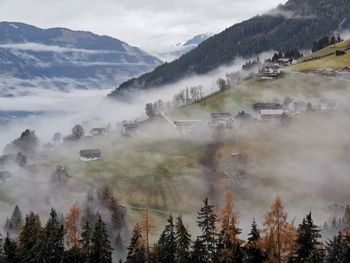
149,24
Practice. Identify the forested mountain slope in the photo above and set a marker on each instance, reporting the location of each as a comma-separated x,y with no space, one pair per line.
296,24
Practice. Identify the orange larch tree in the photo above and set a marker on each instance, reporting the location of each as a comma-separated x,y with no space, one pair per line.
71,226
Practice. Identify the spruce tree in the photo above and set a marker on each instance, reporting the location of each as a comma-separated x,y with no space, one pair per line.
51,246
183,242
85,242
199,252
166,243
307,247
206,221
334,249
136,249
10,250
254,253
29,238
16,219
101,250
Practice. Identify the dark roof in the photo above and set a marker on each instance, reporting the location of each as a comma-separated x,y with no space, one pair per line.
220,114
267,106
90,152
130,125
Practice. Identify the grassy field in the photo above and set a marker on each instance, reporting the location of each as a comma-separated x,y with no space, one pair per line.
325,58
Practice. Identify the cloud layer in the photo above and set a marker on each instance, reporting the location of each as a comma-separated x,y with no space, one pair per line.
151,24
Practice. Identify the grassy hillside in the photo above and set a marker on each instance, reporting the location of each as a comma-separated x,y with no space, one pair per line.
326,58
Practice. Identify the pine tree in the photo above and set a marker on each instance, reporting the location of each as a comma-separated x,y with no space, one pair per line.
10,250
183,242
74,255
29,238
71,226
51,246
279,235
85,241
199,252
16,219
166,243
229,247
254,253
307,247
206,221
334,249
101,250
136,250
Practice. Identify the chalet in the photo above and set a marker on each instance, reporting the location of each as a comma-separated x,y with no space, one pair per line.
267,106
90,154
271,114
129,129
340,52
5,176
221,119
329,105
269,72
285,61
98,131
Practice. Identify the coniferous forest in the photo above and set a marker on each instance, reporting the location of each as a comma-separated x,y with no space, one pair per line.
74,238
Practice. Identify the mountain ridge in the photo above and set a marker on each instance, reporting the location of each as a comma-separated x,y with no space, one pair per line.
295,24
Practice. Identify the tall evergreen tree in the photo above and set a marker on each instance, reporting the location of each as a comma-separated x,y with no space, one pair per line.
86,235
166,243
16,219
136,250
334,249
29,239
10,250
101,250
307,247
183,242
51,246
199,252
206,221
254,253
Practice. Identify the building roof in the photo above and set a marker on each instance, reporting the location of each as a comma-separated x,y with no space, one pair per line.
130,125
266,106
271,112
89,152
220,114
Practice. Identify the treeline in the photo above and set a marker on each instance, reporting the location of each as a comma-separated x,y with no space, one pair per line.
57,242
279,240
249,38
325,42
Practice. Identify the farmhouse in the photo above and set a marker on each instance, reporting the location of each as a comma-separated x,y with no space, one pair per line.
98,131
129,129
267,106
90,154
221,119
271,114
340,53
269,72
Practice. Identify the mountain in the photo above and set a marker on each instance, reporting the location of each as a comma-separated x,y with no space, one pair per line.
295,24
179,49
63,58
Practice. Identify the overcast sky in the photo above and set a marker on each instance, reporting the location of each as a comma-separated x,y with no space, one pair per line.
149,24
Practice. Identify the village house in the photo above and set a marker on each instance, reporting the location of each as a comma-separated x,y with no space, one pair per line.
90,154
129,129
221,120
99,132
187,125
266,106
269,72
271,114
